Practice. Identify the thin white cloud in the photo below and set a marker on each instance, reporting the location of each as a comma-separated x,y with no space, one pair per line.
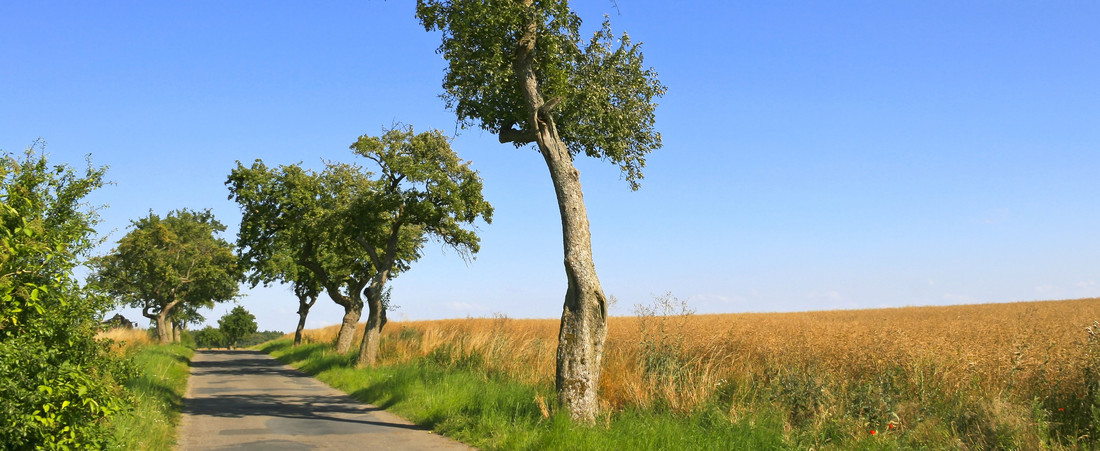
464,306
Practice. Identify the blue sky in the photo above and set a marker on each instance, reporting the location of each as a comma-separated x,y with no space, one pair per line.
818,155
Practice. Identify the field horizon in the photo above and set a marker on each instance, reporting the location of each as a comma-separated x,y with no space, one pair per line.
995,375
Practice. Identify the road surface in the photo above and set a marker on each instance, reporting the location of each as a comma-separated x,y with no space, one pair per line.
246,400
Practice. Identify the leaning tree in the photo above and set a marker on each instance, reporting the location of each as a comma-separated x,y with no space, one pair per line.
165,264
271,247
519,69
422,189
293,230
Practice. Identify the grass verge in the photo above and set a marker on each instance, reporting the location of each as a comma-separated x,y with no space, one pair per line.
490,412
157,389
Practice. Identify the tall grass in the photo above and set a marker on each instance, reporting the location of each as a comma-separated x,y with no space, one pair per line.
1021,375
156,389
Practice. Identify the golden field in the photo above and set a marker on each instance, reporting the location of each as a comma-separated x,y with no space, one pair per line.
978,369
125,340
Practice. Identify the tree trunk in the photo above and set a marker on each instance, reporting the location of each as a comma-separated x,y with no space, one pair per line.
164,328
368,348
303,312
584,316
347,327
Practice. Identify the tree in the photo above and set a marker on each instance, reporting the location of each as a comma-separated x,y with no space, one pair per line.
519,69
277,216
166,266
237,325
294,229
348,230
209,337
59,384
182,316
422,189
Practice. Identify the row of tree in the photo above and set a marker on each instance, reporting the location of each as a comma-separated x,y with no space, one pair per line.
347,230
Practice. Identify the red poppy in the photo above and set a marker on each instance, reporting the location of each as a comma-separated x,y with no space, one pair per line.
890,426
873,432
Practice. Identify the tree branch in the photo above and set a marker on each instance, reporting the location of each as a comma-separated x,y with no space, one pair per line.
511,135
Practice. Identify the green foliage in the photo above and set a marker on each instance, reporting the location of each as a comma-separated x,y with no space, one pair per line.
209,337
293,228
157,387
261,337
423,187
345,226
169,267
237,324
605,94
58,382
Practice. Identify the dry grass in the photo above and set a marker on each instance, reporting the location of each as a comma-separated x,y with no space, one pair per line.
1000,362
126,340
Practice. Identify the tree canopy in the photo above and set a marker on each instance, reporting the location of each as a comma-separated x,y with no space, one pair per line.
422,189
347,229
599,91
295,228
237,325
170,264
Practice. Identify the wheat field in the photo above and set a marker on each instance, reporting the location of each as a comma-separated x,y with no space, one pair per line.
980,368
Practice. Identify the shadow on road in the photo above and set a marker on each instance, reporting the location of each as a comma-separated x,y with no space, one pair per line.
310,400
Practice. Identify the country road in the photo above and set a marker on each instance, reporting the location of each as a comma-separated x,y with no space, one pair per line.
246,400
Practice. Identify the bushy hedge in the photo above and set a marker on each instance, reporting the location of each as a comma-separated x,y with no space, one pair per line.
59,383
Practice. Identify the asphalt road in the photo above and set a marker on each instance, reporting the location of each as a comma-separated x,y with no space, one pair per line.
246,400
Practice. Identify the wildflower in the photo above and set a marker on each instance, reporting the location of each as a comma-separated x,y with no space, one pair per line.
1061,409
890,426
873,432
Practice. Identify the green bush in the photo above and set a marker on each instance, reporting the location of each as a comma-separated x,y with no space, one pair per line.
260,337
59,383
236,325
209,337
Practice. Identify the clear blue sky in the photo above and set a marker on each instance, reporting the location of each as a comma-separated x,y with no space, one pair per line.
818,155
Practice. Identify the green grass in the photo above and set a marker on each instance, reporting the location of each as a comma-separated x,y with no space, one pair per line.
157,389
488,412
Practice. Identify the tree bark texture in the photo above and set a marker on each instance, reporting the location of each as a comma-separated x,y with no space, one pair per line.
368,348
344,339
584,315
164,324
303,312
164,333
352,303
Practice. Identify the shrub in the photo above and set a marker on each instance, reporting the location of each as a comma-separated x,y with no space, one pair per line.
59,382
209,337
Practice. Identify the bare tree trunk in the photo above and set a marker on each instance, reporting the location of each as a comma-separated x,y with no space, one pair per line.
303,312
584,316
164,331
368,348
347,327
